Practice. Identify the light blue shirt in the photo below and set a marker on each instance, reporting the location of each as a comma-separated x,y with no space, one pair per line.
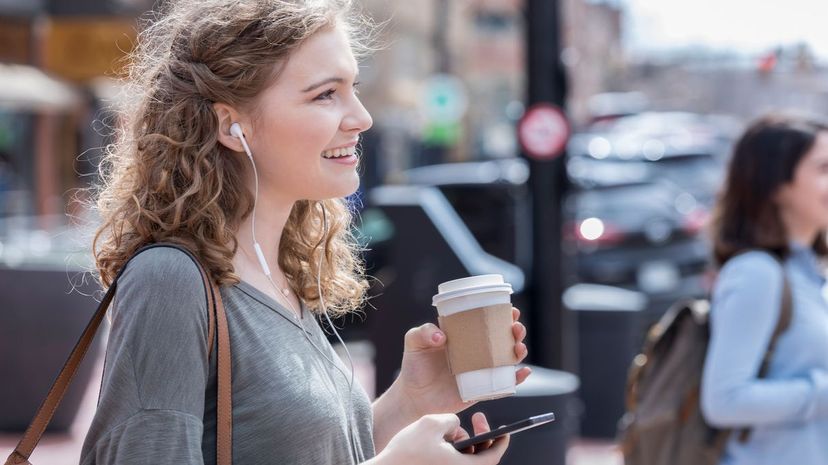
787,410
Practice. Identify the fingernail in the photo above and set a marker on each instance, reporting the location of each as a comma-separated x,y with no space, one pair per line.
437,337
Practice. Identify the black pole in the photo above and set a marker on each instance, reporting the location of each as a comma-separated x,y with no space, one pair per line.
436,153
550,331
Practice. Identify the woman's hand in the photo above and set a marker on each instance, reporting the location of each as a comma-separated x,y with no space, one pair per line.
425,383
428,441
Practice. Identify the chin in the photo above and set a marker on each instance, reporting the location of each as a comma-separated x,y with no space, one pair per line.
350,188
338,191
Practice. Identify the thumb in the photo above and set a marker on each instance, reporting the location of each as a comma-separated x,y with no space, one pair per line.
444,425
427,336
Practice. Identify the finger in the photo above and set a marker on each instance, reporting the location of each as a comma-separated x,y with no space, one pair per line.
427,336
521,374
521,351
515,314
481,425
518,331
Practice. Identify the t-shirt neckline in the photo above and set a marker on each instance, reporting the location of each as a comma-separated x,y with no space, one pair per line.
273,304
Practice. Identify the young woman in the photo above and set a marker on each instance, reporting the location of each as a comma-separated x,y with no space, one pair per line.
240,145
770,227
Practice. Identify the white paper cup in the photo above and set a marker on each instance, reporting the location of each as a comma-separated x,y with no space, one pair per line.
466,294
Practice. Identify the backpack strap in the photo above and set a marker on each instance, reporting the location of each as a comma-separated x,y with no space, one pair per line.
217,321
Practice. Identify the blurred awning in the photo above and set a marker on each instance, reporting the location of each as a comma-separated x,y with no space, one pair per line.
27,88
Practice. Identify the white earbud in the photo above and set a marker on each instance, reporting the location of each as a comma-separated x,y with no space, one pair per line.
236,131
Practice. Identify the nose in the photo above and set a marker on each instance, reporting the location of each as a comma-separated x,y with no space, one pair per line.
357,119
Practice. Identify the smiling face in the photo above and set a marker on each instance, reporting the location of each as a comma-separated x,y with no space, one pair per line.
804,201
306,124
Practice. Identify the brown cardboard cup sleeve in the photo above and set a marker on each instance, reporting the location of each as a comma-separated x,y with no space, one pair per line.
479,338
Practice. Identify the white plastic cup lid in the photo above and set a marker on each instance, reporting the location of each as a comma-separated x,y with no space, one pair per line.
471,285
471,281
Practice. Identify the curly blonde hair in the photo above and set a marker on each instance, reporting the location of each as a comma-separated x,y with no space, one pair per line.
168,179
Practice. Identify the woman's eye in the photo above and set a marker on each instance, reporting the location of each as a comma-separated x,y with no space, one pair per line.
356,87
325,95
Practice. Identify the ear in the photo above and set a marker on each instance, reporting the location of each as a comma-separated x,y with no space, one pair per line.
780,196
227,115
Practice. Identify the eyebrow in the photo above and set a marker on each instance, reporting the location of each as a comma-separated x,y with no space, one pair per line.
337,80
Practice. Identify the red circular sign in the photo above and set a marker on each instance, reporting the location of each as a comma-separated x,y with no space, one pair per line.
543,131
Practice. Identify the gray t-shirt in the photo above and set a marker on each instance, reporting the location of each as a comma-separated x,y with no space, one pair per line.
158,397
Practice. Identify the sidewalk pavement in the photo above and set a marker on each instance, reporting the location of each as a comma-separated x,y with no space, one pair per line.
64,448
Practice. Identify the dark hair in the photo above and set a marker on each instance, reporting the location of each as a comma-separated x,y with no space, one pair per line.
765,158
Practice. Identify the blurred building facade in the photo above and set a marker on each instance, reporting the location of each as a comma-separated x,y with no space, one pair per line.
593,52
482,44
742,86
55,57
446,84
46,126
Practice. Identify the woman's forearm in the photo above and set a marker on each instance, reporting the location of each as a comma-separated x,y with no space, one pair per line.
392,412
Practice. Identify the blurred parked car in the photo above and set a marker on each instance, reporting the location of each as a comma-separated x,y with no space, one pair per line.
642,235
491,198
642,189
688,149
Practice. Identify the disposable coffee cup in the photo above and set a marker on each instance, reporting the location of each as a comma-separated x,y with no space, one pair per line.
476,315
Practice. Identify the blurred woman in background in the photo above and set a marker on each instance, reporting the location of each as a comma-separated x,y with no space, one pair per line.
769,228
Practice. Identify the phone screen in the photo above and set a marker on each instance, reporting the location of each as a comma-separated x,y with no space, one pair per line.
513,428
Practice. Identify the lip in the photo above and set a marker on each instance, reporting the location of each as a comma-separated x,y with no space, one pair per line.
349,160
346,146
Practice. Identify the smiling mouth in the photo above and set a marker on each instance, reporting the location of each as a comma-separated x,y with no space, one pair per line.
340,152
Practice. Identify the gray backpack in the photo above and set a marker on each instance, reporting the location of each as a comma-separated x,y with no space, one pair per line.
663,424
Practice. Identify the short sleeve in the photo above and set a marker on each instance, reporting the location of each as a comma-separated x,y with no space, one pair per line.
157,365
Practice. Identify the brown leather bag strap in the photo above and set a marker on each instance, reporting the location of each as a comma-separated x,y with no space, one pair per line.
217,323
24,449
224,411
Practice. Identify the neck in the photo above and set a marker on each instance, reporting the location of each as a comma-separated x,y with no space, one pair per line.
799,231
271,216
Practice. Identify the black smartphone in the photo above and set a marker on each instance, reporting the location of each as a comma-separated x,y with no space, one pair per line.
516,427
